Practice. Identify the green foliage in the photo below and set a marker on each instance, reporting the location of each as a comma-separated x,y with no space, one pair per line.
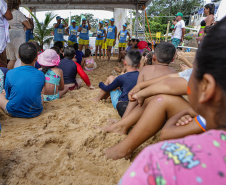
42,31
171,7
93,22
156,25
167,8
188,38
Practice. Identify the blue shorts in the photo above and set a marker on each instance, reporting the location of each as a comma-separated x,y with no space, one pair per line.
114,97
176,42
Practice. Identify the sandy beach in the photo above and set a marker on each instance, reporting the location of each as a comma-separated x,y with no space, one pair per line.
63,145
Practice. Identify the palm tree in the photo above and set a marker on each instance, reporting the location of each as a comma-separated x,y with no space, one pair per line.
42,33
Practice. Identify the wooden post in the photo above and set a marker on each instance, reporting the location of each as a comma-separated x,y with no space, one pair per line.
167,31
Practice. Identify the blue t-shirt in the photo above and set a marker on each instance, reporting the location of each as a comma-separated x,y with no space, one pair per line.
100,32
123,35
84,33
111,32
23,88
73,33
79,55
59,33
29,35
69,69
126,82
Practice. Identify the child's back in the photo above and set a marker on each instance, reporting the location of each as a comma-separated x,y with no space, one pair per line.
23,90
153,71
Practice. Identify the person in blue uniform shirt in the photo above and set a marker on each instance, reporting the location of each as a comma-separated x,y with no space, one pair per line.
73,33
122,39
59,29
111,37
84,34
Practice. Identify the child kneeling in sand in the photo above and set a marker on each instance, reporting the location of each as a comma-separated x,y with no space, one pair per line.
23,86
125,83
54,79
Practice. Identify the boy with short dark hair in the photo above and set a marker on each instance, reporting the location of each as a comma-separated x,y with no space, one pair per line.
125,83
23,86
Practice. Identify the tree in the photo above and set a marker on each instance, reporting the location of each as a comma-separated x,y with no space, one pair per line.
42,31
171,7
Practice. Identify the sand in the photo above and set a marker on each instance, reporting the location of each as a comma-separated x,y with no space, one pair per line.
63,145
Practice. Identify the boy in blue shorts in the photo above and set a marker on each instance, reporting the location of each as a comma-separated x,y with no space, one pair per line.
119,87
23,86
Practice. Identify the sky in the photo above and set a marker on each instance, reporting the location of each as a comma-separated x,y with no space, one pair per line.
101,14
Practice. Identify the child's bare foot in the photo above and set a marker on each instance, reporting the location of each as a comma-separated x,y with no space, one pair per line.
112,121
115,152
184,67
116,128
95,99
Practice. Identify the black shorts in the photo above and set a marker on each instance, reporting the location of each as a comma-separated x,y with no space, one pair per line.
121,107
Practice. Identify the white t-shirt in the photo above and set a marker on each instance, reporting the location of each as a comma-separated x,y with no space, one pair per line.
221,12
186,74
3,9
178,29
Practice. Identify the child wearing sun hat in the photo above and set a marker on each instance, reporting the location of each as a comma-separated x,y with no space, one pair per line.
54,80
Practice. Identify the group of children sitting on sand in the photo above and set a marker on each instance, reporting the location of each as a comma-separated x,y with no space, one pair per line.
148,99
196,159
24,88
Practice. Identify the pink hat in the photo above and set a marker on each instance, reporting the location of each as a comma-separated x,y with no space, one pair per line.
142,45
49,58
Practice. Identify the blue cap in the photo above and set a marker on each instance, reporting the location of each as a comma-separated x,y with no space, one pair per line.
73,21
125,25
84,19
112,20
106,21
58,17
101,22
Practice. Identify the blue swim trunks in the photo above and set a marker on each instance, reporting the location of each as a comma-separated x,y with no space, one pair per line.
114,97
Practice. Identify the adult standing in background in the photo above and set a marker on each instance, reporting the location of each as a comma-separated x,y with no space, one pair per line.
209,10
84,34
122,40
101,34
29,32
179,30
16,32
104,46
5,14
111,37
73,33
59,30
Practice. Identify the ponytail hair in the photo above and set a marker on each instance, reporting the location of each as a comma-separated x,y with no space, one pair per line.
46,68
211,7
